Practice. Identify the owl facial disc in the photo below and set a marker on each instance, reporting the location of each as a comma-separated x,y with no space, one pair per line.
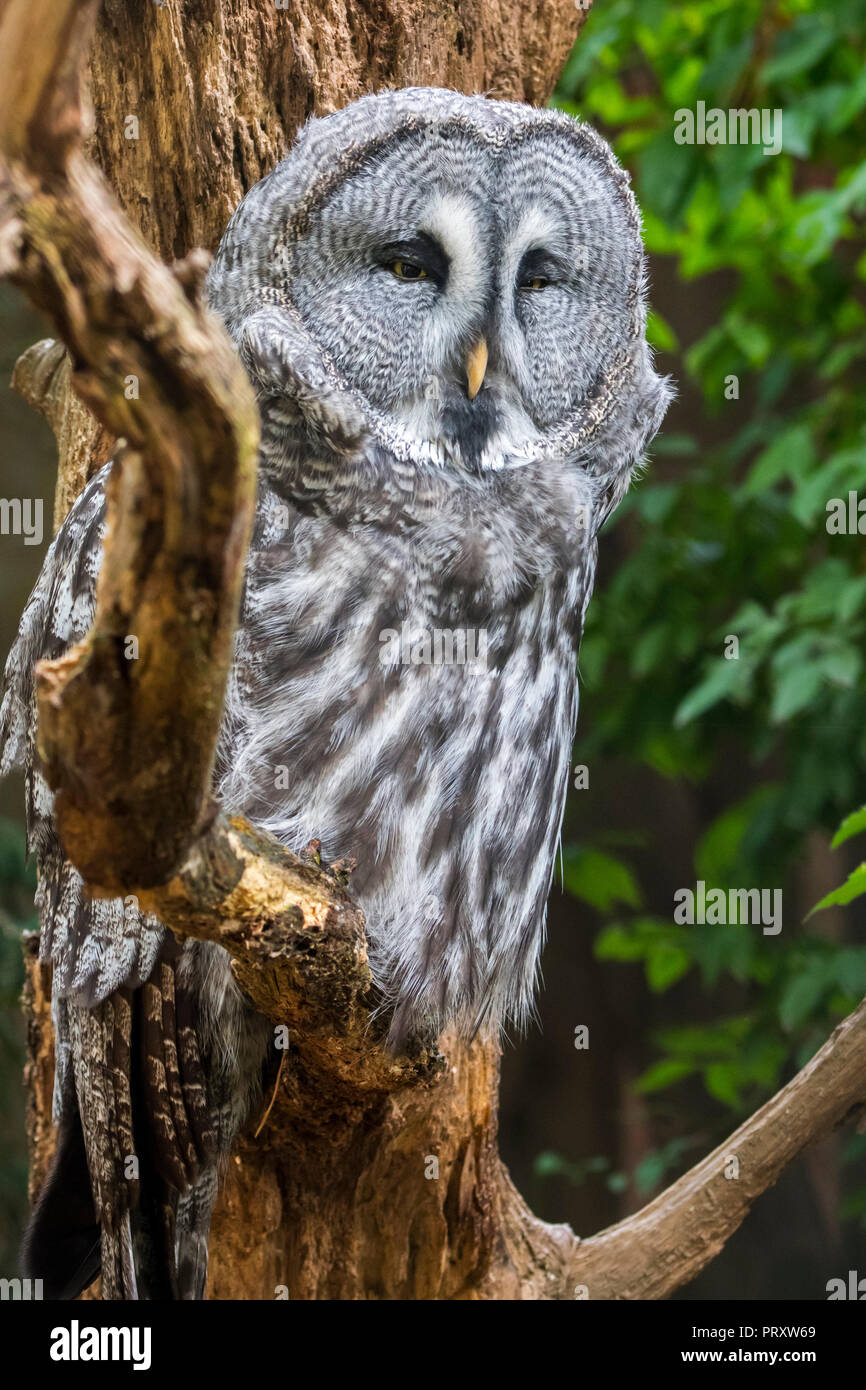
467,274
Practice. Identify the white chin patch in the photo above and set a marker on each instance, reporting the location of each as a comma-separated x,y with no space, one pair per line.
419,424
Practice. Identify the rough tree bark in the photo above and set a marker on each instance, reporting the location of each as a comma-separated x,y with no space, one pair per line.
328,1194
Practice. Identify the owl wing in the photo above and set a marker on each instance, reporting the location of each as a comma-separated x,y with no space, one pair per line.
289,371
99,950
93,945
134,1175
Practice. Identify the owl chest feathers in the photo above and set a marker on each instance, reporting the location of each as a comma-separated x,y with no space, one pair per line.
405,691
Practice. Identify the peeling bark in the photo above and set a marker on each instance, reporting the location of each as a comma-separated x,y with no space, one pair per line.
366,1175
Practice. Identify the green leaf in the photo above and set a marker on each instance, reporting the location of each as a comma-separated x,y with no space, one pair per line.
789,456
599,879
659,333
706,1042
723,679
751,337
663,1074
800,49
841,666
548,1164
667,174
655,1164
672,445
649,650
849,968
855,824
802,994
616,942
723,1080
795,689
665,965
717,853
853,887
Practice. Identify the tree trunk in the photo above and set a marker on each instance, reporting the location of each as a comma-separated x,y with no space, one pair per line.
366,1176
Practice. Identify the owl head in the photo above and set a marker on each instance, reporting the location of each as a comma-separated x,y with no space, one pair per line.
459,279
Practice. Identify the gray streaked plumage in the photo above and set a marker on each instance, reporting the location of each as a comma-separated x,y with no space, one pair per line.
390,504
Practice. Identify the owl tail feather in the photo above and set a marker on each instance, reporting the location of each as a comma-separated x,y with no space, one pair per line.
134,1178
118,1262
179,1177
194,1210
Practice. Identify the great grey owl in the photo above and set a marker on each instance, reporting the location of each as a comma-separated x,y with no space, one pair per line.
440,301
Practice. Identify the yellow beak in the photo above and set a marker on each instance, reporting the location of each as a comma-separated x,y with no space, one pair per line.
476,366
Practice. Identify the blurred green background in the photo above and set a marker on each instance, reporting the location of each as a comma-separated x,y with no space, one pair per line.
737,772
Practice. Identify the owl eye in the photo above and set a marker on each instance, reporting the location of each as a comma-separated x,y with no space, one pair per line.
535,282
407,270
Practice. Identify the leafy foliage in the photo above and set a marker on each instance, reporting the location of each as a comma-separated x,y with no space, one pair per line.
728,534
